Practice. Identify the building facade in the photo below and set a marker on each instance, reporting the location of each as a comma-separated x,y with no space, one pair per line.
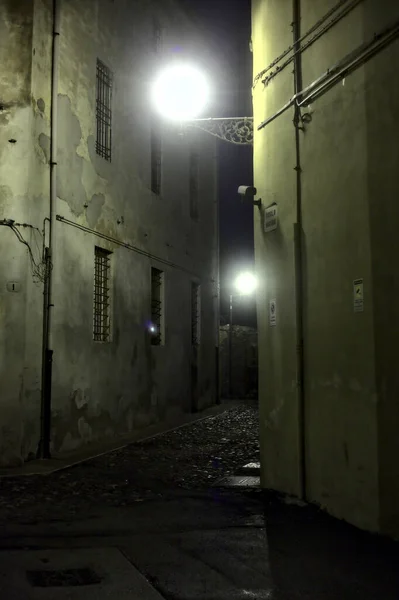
133,320
326,157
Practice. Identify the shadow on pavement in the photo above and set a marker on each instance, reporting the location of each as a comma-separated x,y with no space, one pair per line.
317,557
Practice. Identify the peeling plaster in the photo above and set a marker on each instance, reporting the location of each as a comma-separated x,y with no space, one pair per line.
41,105
44,143
93,211
70,189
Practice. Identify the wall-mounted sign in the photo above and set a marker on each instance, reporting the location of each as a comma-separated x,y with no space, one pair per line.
358,295
13,286
270,218
272,313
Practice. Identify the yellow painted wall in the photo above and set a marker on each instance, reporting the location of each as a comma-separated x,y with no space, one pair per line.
348,153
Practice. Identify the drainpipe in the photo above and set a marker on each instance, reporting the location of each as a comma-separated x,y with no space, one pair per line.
217,274
298,242
231,346
47,344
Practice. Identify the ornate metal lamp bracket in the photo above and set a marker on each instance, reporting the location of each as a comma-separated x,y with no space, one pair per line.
235,130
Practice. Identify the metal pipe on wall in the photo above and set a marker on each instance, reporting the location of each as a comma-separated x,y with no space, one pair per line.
338,70
48,292
314,27
217,274
230,346
298,241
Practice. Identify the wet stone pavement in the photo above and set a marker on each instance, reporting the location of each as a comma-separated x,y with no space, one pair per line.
191,457
151,521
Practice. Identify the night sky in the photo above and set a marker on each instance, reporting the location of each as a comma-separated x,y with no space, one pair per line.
228,22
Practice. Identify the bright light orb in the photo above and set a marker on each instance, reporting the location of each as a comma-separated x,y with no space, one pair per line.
180,92
246,283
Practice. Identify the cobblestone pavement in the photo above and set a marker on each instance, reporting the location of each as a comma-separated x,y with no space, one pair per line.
189,458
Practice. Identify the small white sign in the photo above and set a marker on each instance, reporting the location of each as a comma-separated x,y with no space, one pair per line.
358,295
272,313
271,218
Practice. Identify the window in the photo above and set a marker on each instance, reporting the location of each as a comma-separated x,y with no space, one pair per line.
101,303
157,306
156,36
156,159
104,111
194,184
195,314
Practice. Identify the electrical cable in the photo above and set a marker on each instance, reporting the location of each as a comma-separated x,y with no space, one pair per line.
37,268
124,245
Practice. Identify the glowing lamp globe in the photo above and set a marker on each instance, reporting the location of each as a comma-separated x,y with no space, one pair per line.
245,283
180,92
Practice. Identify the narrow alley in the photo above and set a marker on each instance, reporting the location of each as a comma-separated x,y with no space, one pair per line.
157,519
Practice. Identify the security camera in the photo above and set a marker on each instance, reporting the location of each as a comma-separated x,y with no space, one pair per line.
248,191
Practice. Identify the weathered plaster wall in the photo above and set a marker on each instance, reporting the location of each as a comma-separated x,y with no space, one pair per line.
100,389
340,386
348,153
24,55
274,177
127,383
381,110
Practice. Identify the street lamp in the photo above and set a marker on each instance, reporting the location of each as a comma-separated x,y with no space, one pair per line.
245,283
180,93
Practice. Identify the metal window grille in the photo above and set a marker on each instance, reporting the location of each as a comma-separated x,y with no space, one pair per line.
101,302
157,315
104,111
195,314
194,184
156,160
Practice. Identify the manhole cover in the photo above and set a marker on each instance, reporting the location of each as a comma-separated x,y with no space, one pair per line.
63,578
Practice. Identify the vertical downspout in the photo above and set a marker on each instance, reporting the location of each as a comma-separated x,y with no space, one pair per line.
298,241
47,356
231,346
217,274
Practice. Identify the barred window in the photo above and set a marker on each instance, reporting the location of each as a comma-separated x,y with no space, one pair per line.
156,159
195,314
157,306
101,302
194,184
104,110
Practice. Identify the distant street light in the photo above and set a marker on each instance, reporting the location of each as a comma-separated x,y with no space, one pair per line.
245,283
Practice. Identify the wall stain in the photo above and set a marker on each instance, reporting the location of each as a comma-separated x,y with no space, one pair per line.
44,143
70,189
93,211
346,453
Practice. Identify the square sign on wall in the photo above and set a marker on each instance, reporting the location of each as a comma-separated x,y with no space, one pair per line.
270,218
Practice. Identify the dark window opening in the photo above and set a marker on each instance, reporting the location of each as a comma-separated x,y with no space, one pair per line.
156,37
101,302
156,160
157,306
194,185
104,111
195,314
